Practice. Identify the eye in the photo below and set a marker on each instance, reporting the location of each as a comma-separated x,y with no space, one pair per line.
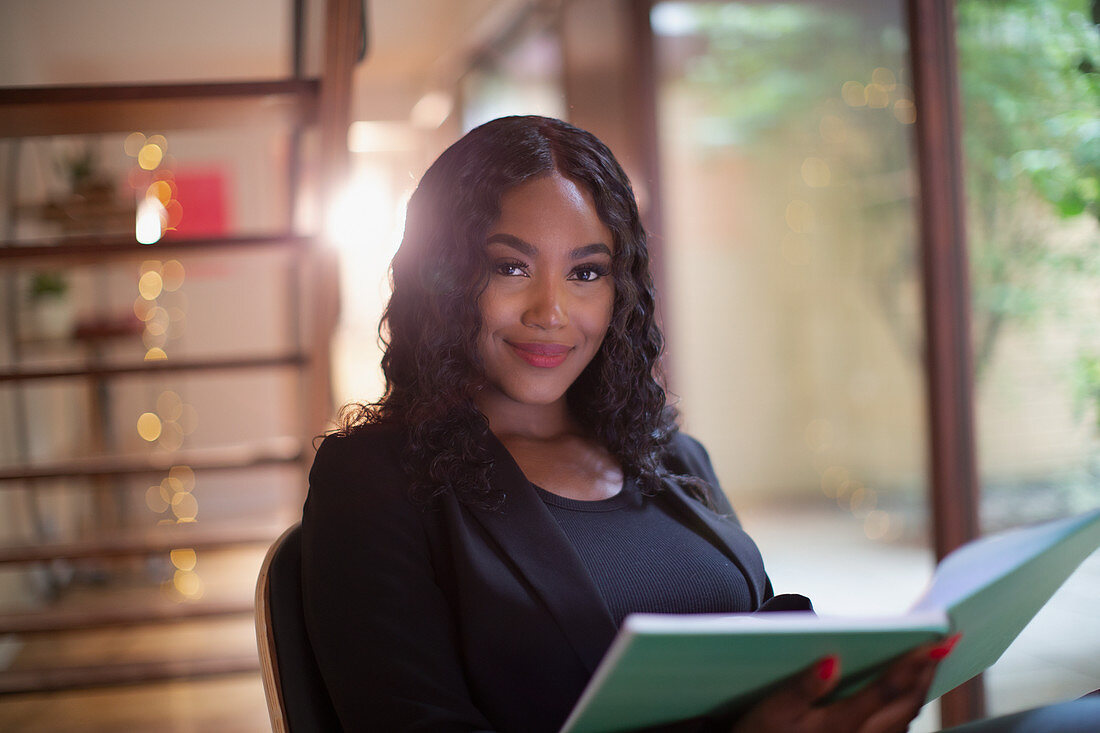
589,273
510,269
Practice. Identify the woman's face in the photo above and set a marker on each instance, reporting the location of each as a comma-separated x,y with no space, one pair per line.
548,302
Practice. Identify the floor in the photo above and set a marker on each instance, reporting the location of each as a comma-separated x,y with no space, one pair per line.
1057,657
831,560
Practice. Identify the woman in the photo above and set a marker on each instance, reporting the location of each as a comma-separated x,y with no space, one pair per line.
472,541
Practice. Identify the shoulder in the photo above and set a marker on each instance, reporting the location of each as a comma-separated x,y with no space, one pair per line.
686,455
373,446
364,465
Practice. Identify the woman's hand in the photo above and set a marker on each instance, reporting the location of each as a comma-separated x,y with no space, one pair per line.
888,704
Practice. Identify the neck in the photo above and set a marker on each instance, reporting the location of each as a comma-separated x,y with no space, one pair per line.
538,422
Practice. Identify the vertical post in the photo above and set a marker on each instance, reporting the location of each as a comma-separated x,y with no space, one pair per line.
609,76
954,476
320,274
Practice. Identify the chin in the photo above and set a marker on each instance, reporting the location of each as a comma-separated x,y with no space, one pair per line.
540,397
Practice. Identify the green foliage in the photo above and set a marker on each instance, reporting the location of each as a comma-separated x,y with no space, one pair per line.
1030,82
48,284
1087,385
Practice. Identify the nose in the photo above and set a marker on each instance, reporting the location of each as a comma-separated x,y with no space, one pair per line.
546,306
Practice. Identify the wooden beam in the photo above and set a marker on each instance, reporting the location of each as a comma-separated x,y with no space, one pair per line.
87,109
157,609
14,682
128,543
954,475
224,458
75,250
103,371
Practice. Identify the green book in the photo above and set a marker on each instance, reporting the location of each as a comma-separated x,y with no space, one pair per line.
661,668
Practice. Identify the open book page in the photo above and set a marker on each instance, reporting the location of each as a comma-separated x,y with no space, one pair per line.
992,587
662,668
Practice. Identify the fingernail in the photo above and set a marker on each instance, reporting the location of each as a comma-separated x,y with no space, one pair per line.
939,652
826,668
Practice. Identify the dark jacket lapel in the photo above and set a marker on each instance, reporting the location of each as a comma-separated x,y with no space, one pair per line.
726,535
528,534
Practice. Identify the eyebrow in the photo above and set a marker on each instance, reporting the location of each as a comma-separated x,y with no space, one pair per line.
529,250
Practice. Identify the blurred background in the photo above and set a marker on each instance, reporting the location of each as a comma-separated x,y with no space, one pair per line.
200,201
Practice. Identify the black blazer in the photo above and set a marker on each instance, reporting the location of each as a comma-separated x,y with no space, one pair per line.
458,618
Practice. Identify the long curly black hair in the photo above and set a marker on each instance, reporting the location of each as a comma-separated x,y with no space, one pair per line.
431,325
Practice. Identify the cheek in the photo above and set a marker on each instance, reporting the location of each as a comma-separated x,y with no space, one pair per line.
598,318
489,304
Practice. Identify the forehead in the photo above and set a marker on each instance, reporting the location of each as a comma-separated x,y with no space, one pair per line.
551,209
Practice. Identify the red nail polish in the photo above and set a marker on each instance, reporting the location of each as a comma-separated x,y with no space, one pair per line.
826,668
939,652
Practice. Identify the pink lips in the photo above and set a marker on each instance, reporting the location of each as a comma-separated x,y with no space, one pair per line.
541,354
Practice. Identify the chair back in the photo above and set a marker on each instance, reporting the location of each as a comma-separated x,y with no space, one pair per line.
296,696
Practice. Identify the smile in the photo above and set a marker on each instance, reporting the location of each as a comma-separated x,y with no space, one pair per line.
541,355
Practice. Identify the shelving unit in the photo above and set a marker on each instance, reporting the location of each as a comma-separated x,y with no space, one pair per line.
301,104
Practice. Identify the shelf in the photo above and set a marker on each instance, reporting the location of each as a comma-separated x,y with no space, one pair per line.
146,542
270,452
102,371
121,246
108,656
105,675
87,109
121,614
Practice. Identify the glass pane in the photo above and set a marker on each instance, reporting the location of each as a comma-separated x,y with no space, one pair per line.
1031,96
792,295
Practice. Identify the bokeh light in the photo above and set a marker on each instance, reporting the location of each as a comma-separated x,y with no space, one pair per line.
884,78
815,172
171,436
150,156
799,216
133,144
174,213
854,94
150,285
188,583
877,96
169,405
171,486
155,499
173,274
184,559
184,475
833,479
185,507
155,354
148,426
152,340
905,111
143,308
161,191
157,322
151,220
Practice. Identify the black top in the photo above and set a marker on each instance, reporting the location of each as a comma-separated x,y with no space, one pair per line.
644,560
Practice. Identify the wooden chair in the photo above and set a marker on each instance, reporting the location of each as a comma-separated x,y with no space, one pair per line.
296,696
